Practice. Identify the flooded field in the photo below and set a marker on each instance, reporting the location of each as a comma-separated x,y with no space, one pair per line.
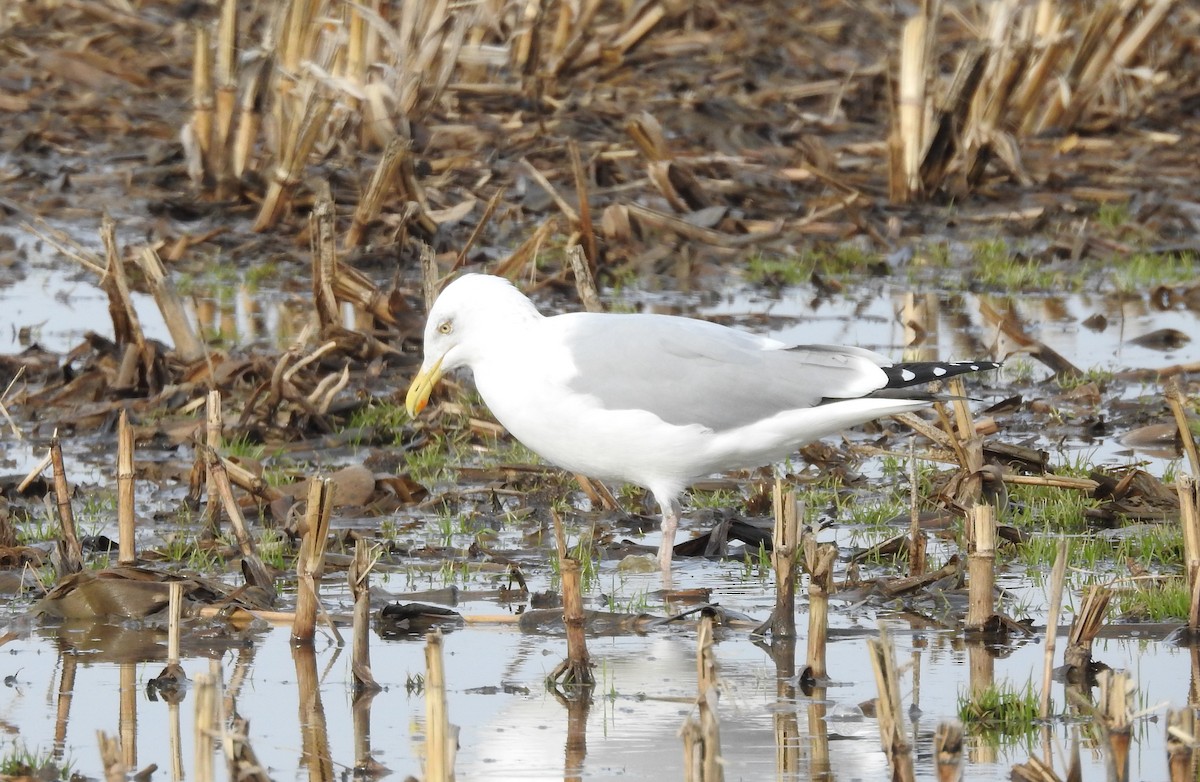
222,225
511,725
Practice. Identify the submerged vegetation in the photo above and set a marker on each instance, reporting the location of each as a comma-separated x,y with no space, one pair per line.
1000,712
1155,599
834,260
995,265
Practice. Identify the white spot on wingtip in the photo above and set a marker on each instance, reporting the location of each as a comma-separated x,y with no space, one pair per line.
939,371
907,375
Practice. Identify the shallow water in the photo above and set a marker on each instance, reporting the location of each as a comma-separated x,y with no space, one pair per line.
60,306
870,319
58,309
513,728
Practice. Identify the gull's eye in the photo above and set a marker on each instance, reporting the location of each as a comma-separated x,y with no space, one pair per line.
445,327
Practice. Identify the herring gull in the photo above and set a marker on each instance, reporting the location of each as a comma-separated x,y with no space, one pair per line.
655,400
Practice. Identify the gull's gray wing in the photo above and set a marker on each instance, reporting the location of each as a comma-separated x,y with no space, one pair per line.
688,371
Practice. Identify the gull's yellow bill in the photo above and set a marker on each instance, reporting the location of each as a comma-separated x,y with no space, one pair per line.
422,387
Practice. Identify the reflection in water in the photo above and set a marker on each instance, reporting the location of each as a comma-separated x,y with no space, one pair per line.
207,721
511,728
251,317
820,762
97,641
981,664
919,315
1091,329
360,712
578,704
176,734
786,723
49,308
128,718
314,734
917,326
62,716
1194,679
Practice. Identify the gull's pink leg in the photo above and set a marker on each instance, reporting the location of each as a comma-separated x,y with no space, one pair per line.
670,522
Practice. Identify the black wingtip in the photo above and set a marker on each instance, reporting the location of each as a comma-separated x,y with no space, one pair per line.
914,373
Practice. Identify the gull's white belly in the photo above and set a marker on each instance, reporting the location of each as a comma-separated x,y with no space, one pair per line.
569,430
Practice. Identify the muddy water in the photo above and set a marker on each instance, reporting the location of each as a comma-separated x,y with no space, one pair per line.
511,726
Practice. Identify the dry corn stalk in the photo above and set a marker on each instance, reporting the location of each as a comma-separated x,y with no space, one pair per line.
385,65
981,564
292,159
310,564
201,122
1029,72
576,669
188,346
1084,628
785,544
891,717
372,199
1189,517
911,108
226,97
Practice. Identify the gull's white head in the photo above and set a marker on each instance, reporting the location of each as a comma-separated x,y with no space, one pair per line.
469,314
